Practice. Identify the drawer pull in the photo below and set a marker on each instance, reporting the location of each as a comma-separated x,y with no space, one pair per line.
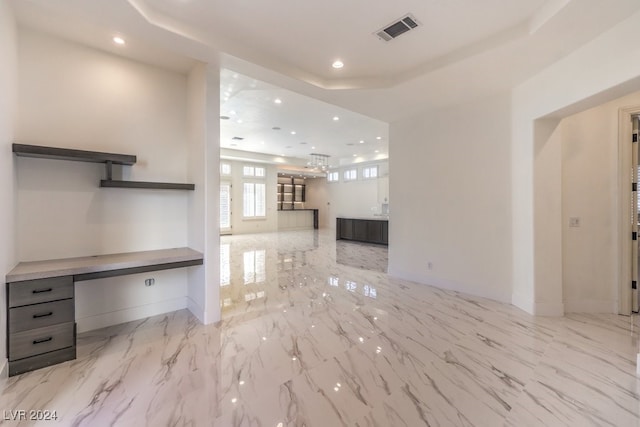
37,316
43,340
41,291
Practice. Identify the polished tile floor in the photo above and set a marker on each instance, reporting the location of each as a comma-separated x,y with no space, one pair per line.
314,333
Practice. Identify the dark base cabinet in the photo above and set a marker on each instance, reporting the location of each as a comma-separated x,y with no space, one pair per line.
41,323
363,230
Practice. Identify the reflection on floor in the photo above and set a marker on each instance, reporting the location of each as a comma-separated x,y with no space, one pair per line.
307,341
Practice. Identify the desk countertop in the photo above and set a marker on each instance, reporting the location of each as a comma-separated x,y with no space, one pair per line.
99,263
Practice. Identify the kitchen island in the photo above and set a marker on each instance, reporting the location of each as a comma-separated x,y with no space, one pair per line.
368,230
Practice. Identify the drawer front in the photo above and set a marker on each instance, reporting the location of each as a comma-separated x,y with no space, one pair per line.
41,340
42,290
40,315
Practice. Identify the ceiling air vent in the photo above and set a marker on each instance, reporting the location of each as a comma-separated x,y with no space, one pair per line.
399,26
237,138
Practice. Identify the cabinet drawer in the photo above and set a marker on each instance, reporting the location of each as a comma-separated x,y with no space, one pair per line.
41,340
40,315
42,290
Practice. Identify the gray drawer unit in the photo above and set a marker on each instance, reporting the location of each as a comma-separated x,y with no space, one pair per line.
41,340
37,291
41,315
40,323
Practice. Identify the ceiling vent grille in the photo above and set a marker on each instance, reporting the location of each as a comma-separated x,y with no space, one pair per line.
398,27
237,138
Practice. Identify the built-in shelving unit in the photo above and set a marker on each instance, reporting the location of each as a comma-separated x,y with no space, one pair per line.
291,193
109,159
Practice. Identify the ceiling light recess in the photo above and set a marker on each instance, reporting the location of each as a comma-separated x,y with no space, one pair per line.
118,40
397,27
337,64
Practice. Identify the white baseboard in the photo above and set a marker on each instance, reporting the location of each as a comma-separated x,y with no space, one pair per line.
196,309
523,302
449,285
550,309
591,306
129,314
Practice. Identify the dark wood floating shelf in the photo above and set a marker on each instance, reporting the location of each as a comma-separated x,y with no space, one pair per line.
109,159
115,183
37,151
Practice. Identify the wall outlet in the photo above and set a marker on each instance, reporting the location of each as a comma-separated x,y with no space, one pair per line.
574,221
150,282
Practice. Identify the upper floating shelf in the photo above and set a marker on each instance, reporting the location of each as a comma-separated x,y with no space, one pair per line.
24,150
109,159
116,183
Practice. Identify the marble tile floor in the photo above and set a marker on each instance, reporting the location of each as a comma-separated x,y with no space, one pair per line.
306,340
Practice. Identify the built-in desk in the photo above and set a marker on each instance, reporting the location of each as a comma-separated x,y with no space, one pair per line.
368,230
40,300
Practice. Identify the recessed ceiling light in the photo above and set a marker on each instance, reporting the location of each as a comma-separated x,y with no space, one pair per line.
337,64
313,148
336,118
355,155
232,113
118,40
377,151
239,120
278,101
378,137
361,142
293,132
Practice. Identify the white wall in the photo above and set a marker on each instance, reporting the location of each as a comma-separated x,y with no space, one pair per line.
589,186
77,97
204,148
602,70
240,225
360,198
451,198
317,197
8,89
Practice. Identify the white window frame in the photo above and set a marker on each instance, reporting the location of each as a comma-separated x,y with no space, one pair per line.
251,209
350,175
367,172
333,176
254,171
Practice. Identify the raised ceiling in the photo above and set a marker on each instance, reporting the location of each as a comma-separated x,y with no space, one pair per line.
262,118
464,49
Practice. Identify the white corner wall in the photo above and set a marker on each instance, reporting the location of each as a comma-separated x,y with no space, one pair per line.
73,96
204,165
600,71
451,198
8,89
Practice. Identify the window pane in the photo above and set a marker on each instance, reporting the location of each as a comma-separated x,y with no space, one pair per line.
249,200
248,171
225,206
225,169
260,195
259,172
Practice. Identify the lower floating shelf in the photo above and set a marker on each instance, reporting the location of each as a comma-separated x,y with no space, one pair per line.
115,183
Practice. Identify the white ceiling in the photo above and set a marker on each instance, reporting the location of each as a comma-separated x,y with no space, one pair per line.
464,49
304,125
